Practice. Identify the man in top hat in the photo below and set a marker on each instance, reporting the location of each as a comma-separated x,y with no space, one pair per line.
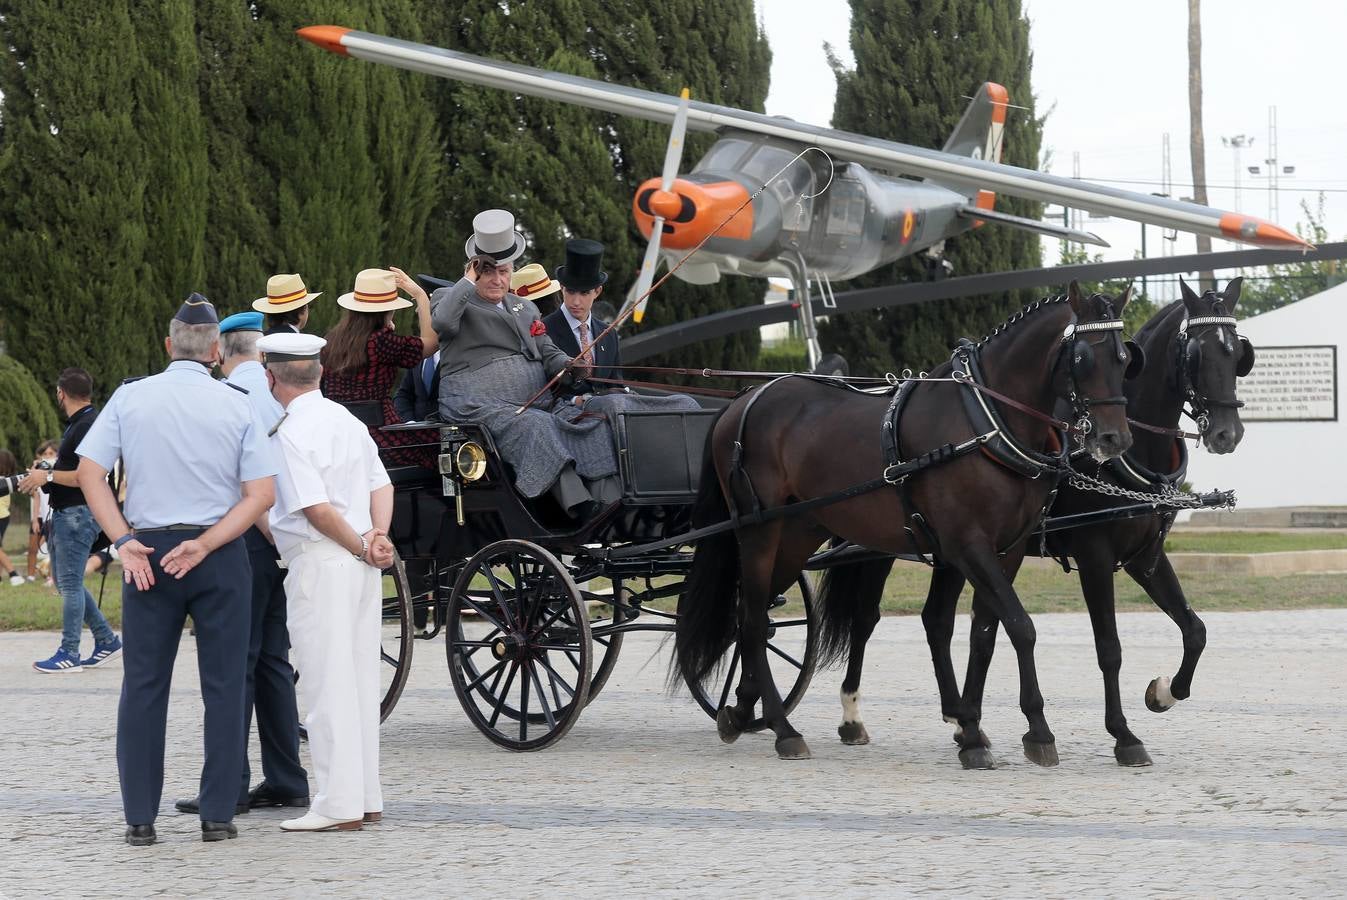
286,304
573,327
200,471
270,680
333,506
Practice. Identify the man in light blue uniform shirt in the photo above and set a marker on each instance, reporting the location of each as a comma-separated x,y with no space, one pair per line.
199,471
270,679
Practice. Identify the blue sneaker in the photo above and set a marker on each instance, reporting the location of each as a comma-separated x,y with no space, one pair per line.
60,663
104,653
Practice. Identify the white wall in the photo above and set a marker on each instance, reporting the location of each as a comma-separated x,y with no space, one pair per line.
1288,463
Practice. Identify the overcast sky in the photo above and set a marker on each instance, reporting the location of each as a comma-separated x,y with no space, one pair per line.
1116,79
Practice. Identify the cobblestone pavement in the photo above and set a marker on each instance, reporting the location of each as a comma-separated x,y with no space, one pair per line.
1247,796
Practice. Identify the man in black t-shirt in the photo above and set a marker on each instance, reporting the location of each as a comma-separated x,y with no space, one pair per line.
73,531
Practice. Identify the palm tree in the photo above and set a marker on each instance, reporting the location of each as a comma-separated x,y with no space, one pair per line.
1197,144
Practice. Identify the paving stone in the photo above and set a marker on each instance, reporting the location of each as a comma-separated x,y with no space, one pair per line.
1246,797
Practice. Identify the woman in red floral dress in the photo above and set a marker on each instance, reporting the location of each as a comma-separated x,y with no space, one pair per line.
364,356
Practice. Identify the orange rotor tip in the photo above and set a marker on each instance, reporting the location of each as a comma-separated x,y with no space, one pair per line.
326,36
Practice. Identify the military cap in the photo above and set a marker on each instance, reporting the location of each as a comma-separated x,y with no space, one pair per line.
244,321
284,347
197,310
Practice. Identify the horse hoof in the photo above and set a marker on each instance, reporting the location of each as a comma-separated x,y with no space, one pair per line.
982,737
1133,755
977,758
792,748
1040,754
1158,697
853,733
726,727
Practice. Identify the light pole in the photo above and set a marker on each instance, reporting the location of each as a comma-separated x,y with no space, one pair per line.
1275,170
1237,143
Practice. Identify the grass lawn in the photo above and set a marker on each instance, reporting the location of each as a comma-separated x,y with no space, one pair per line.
35,607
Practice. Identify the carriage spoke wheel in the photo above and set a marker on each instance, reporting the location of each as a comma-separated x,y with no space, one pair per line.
791,651
521,663
395,641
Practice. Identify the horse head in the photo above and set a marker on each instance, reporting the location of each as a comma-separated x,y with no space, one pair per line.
1209,355
1091,367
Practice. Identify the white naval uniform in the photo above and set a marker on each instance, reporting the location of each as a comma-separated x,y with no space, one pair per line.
333,601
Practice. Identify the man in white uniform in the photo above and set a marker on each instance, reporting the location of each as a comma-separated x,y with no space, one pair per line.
330,522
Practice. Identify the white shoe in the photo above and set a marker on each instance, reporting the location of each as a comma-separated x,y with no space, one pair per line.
311,821
16,580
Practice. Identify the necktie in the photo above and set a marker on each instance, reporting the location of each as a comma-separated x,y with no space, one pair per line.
429,374
586,355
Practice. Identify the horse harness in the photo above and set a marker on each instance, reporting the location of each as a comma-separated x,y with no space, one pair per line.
1189,363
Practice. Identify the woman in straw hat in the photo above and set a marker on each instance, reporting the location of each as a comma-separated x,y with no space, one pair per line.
364,357
286,304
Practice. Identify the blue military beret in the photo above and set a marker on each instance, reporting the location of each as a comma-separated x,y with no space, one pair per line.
244,321
197,310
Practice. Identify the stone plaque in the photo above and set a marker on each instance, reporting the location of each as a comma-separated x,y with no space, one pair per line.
1291,384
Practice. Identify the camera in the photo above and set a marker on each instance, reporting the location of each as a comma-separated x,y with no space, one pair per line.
9,484
44,464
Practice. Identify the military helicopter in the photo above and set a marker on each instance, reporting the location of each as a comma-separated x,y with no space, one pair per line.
767,207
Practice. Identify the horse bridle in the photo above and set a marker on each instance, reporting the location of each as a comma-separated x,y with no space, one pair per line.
1189,364
1081,362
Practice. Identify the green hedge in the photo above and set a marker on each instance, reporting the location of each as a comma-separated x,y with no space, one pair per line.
27,414
786,357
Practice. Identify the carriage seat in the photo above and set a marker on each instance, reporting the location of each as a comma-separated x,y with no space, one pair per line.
407,477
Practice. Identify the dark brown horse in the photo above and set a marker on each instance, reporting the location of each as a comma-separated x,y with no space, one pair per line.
1193,357
799,439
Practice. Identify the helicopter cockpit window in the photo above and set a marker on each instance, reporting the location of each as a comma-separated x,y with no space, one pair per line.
724,156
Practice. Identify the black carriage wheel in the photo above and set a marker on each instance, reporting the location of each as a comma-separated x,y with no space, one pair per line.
395,640
521,665
791,649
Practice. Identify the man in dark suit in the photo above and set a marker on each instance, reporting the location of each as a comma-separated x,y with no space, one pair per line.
573,325
419,394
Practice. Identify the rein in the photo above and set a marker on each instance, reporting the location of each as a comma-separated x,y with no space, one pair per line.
675,388
1167,432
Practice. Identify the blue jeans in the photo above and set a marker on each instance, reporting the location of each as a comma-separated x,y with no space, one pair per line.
73,532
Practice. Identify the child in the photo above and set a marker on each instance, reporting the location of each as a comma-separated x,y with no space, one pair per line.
41,512
8,466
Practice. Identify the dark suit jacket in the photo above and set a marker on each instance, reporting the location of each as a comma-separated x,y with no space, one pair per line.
411,400
607,353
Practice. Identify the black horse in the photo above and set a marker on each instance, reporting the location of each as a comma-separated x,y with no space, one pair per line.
965,495
1194,358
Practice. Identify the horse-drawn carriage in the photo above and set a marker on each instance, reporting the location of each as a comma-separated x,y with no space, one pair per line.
534,606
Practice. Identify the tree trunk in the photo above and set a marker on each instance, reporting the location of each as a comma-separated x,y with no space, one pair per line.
1197,143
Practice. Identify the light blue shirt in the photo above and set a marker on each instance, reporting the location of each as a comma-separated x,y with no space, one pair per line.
253,378
187,442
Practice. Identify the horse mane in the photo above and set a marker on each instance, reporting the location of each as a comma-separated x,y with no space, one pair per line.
1154,322
1023,313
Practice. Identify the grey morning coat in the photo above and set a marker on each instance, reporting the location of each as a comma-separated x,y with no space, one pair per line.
473,332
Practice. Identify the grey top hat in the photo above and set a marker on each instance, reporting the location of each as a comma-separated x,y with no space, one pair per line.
494,235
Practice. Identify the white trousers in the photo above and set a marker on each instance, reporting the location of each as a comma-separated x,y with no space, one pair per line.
334,603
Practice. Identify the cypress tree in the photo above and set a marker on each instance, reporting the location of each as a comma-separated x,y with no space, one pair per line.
74,268
167,116
239,240
28,415
915,63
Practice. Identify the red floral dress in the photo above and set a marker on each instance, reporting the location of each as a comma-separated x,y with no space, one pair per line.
387,354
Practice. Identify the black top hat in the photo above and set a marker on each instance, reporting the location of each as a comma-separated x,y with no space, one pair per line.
582,271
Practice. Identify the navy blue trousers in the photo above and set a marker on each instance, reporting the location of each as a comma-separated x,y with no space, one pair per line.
216,598
270,691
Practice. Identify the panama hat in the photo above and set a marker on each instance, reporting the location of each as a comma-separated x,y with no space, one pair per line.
494,235
284,293
532,282
375,291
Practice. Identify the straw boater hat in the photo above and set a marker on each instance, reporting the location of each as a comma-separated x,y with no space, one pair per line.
494,235
531,282
375,291
284,293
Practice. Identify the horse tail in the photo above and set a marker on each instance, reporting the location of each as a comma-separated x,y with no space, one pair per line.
708,603
845,594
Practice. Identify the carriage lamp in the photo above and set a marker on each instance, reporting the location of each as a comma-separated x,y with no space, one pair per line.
470,460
